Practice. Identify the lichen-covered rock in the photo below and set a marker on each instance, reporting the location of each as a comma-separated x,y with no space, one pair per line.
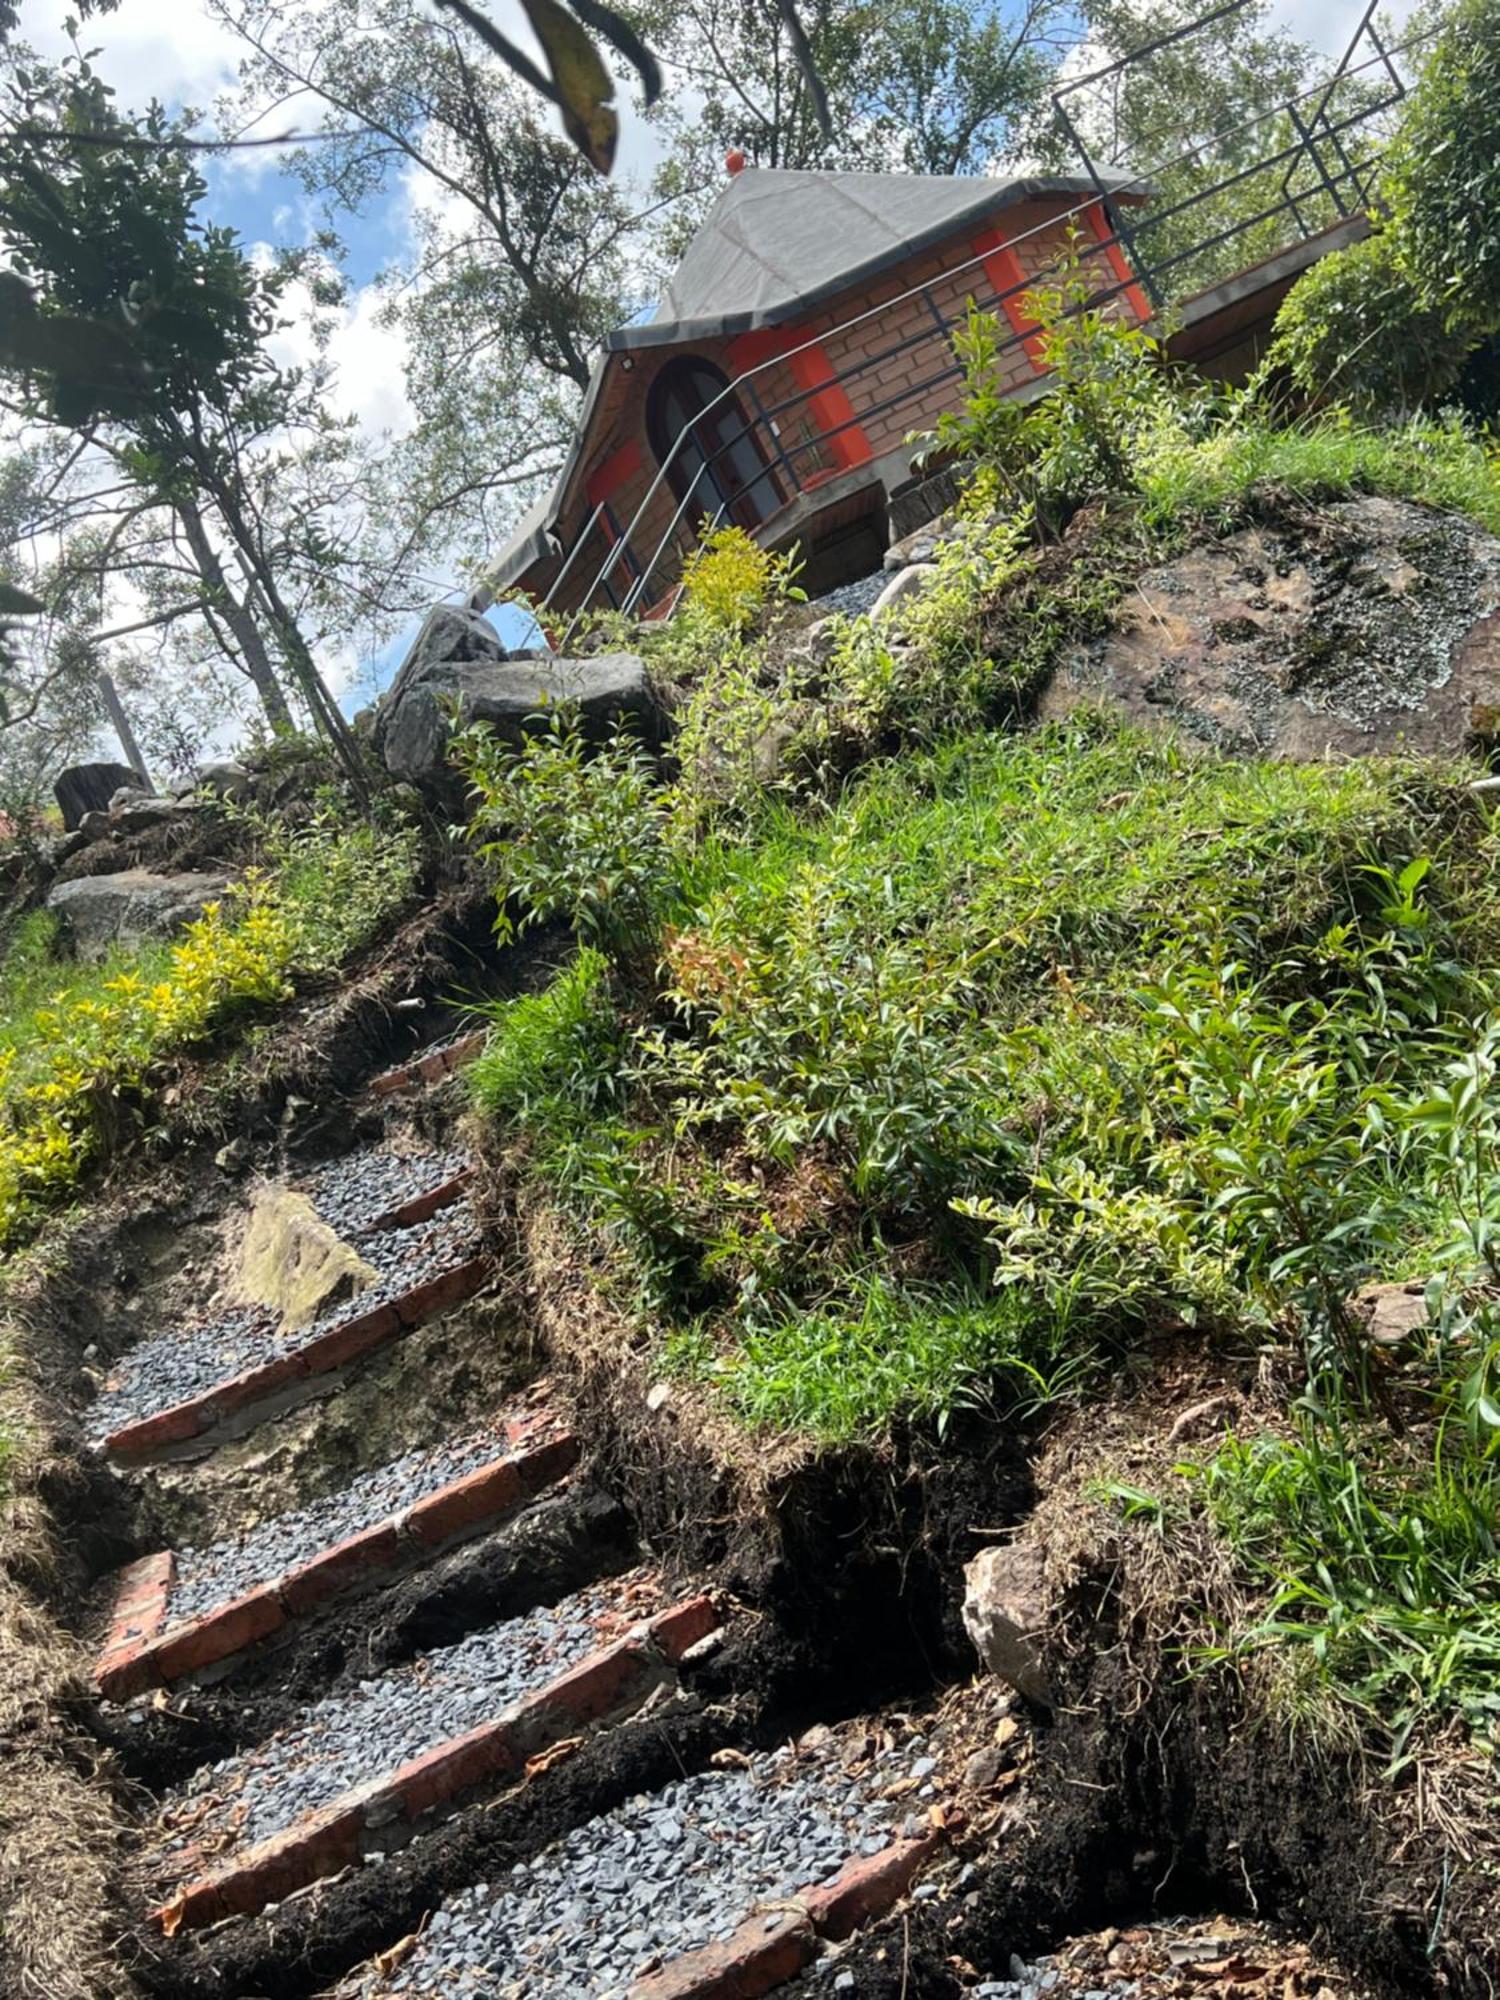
86,788
293,1262
1366,626
98,911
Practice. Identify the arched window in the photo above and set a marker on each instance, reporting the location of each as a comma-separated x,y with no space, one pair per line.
719,461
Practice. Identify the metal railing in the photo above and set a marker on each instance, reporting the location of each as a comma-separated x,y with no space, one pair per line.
1319,177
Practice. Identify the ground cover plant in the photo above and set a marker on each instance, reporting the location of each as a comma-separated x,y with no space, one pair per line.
78,1041
919,1062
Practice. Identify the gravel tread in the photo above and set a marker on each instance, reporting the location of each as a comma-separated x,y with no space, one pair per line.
169,1368
349,1739
354,1192
662,1875
206,1577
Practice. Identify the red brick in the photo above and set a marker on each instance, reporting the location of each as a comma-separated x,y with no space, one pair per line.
238,1391
462,1053
173,1426
752,1962
867,1888
320,1845
126,1671
349,1340
541,1464
479,1496
606,1681
448,1288
340,1568
675,1630
422,1207
222,1632
457,1766
430,1068
389,1081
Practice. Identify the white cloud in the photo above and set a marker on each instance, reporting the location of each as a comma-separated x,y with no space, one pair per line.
167,49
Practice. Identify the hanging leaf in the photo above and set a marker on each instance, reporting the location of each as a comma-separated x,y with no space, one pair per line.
581,86
17,603
803,52
585,87
88,363
615,29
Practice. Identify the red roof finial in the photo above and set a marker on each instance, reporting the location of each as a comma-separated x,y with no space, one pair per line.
735,161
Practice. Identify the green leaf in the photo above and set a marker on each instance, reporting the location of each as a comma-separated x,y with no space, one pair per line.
17,603
585,87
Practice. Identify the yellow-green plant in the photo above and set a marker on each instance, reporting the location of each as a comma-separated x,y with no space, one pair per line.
731,581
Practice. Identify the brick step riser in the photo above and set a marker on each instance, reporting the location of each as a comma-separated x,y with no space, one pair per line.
430,1069
233,1407
602,1690
142,1654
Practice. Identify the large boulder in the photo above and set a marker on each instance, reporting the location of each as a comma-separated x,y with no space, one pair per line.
1365,626
450,636
86,788
506,694
1005,1615
293,1261
98,911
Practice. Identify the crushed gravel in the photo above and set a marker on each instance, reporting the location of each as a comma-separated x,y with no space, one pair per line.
851,598
169,1368
347,1740
662,1875
215,1575
356,1191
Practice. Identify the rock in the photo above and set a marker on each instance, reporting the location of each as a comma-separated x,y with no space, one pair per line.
983,1768
94,826
141,811
1366,627
224,779
128,795
1391,1314
293,1262
921,501
234,1157
507,694
86,788
100,910
450,635
914,577
921,546
1005,1606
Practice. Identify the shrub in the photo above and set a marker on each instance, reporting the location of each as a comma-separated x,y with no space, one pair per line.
730,581
552,1057
577,832
1354,327
1441,179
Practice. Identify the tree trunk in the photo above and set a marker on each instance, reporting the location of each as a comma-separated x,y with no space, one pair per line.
237,617
115,709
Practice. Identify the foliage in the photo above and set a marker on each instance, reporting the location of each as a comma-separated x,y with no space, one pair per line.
574,831
1354,328
551,1058
1107,394
730,580
1441,175
78,1044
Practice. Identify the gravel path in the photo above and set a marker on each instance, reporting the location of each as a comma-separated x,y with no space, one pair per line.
851,598
347,1740
209,1576
353,1193
662,1875
169,1368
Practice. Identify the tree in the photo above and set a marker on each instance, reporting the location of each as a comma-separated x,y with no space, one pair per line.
921,86
1199,120
105,238
1441,180
523,259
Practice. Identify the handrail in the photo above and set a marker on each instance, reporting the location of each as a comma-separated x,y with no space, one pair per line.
1117,238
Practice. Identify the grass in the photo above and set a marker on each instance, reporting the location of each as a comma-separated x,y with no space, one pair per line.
928,1069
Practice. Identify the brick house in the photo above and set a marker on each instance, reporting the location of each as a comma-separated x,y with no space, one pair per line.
803,338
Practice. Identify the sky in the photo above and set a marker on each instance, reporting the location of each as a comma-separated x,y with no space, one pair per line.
172,50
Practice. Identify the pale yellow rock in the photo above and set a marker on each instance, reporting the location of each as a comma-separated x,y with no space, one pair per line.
293,1262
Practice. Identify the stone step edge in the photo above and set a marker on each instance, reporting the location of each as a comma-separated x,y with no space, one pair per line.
141,1652
772,1947
351,1339
604,1687
431,1068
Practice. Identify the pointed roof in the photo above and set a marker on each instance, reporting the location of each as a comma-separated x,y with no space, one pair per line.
778,241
